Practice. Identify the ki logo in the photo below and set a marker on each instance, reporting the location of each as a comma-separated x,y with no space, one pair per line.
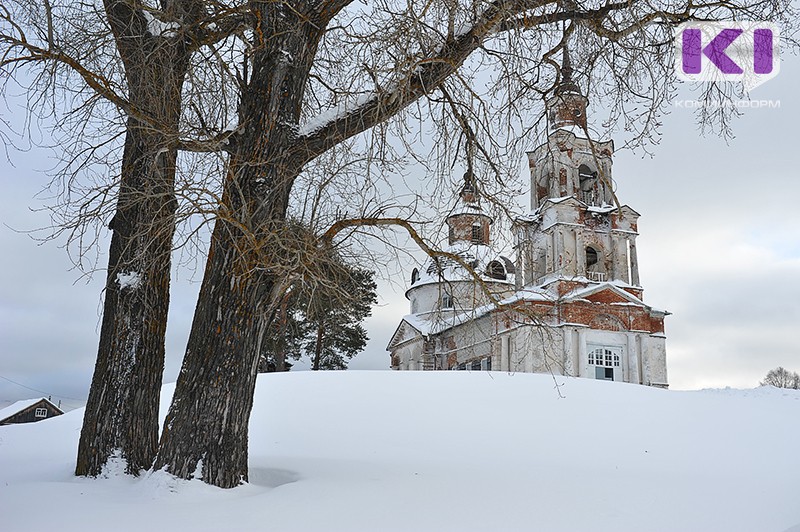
746,52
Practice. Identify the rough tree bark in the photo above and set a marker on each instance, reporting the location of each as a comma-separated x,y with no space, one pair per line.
122,409
208,420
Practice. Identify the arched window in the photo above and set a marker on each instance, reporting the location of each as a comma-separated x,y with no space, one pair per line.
496,270
447,300
588,184
585,173
605,360
591,257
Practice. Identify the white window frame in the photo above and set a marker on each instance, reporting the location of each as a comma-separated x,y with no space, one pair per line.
40,412
610,356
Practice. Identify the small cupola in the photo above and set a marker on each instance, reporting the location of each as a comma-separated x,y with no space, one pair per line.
567,106
468,223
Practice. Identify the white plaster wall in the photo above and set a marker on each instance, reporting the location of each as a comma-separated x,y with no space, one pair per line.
466,295
474,339
654,355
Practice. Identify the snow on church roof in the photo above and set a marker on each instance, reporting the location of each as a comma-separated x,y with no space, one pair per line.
472,209
438,321
477,256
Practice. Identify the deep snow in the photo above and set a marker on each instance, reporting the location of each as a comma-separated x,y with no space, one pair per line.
451,451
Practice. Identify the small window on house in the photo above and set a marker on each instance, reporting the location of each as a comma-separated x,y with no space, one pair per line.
591,256
476,366
414,275
447,300
496,270
40,412
486,364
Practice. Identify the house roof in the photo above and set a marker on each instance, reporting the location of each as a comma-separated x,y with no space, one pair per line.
19,406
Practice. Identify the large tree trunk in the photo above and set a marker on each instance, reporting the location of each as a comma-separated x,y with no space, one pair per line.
207,426
121,415
122,412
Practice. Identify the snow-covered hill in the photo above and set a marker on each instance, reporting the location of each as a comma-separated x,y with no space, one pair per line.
375,451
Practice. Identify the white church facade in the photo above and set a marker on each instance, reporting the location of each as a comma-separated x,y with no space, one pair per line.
570,303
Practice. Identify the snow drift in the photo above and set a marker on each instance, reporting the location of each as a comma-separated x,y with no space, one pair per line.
374,451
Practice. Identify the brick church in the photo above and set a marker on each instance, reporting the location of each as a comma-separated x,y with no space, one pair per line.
570,303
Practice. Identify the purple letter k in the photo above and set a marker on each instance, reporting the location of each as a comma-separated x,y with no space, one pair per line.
715,51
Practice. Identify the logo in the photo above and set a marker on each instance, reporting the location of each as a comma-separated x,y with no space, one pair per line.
746,52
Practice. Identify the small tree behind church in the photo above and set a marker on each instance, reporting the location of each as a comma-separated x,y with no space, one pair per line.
321,321
336,322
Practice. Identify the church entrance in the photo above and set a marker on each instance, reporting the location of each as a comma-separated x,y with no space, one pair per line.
606,362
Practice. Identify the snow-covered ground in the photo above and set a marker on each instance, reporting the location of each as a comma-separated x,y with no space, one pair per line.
446,451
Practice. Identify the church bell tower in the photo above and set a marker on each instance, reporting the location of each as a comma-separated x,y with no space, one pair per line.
576,229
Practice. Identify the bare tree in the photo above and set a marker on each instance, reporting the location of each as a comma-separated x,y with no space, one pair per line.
782,378
131,61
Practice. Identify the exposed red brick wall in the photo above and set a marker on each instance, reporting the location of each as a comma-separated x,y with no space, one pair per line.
638,292
571,110
462,227
584,313
606,296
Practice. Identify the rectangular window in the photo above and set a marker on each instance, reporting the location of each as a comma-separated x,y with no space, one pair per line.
447,300
476,366
41,412
603,374
477,237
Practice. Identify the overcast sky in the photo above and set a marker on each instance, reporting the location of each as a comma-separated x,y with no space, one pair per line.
719,247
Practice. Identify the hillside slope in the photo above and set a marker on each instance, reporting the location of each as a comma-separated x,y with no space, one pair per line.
373,451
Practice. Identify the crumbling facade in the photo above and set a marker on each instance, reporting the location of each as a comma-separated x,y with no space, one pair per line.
570,304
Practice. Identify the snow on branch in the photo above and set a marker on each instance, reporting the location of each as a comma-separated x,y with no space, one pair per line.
158,27
355,116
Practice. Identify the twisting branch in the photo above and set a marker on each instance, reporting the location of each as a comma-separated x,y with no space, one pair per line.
101,85
327,238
